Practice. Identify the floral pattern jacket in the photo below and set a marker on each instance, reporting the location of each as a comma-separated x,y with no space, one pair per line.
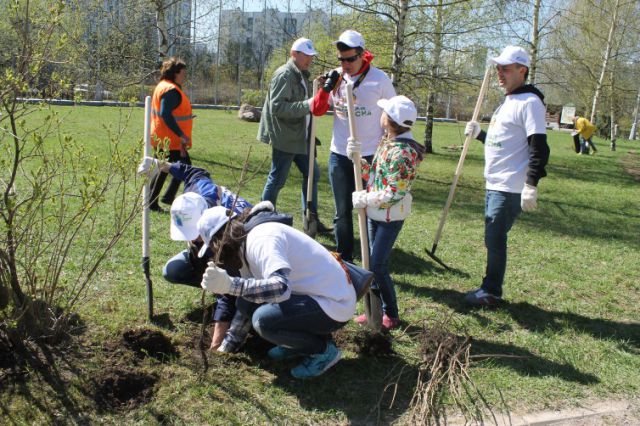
392,172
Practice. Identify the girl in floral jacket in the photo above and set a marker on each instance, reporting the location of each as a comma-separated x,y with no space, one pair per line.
388,195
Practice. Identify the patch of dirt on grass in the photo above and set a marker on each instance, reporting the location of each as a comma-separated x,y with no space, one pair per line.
11,366
364,342
121,387
631,164
147,342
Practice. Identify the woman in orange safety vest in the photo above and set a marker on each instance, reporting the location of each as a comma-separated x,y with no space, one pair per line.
171,123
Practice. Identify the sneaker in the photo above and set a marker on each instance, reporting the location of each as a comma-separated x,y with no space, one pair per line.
315,365
280,353
158,209
480,297
361,319
389,323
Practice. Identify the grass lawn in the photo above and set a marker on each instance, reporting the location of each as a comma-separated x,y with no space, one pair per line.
569,333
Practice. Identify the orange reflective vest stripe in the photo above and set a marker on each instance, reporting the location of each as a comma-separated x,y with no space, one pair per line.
182,114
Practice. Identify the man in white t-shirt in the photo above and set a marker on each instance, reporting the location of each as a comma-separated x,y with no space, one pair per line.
370,85
516,153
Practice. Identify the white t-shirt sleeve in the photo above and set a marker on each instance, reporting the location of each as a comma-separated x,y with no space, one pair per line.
266,254
534,116
388,91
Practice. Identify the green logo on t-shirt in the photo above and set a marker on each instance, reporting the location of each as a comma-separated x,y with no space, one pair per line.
491,142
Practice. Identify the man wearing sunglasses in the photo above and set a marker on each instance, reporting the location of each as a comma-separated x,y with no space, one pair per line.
370,85
285,125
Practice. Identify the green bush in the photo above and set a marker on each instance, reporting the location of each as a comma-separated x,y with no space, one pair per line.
253,97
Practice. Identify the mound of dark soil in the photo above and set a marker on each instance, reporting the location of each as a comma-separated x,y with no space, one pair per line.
438,341
123,387
11,365
147,342
7,357
364,342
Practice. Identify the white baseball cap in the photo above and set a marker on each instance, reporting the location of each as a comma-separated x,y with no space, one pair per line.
351,38
512,55
400,109
304,45
211,221
186,210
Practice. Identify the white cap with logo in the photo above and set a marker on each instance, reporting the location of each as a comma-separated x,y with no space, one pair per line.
400,109
351,38
211,221
305,46
512,55
186,210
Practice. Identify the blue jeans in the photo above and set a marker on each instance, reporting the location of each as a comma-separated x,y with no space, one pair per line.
180,270
382,236
343,184
586,144
298,323
280,166
501,211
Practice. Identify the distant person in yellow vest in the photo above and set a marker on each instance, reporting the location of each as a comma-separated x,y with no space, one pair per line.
171,123
585,129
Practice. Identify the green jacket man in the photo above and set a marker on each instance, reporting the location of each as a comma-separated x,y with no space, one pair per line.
285,124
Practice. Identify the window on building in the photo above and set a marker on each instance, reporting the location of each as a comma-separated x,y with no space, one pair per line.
249,24
290,25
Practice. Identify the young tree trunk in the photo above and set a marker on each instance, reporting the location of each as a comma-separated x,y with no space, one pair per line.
605,62
398,44
161,25
634,124
437,50
428,128
535,40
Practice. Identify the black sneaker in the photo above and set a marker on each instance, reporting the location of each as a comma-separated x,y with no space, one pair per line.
156,208
481,298
324,229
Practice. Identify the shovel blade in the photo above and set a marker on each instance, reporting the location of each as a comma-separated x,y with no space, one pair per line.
310,224
373,310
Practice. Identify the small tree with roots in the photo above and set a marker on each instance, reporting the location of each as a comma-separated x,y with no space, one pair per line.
61,210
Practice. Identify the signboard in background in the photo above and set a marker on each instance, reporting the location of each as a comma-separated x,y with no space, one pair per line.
567,114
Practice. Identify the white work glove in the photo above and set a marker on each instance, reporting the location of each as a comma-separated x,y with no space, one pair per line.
359,199
353,147
263,205
529,198
216,280
574,133
149,166
472,128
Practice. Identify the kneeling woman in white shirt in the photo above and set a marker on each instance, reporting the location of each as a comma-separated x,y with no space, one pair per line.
295,291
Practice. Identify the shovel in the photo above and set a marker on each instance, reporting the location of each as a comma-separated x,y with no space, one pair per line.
310,225
458,172
372,301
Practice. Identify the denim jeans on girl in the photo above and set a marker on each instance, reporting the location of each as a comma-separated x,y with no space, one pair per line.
298,323
382,236
501,211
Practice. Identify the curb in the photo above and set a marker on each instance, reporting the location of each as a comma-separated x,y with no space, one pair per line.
557,417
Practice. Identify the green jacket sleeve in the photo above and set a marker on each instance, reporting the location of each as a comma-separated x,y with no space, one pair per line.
281,97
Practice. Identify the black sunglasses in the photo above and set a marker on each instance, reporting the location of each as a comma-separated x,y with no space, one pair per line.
349,59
